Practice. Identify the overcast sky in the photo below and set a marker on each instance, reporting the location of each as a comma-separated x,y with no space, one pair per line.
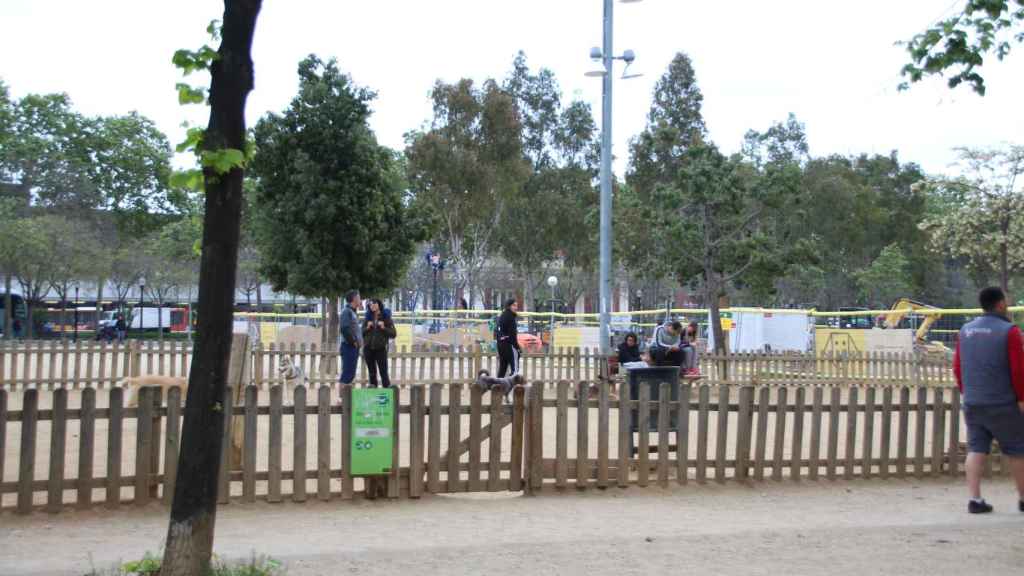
831,62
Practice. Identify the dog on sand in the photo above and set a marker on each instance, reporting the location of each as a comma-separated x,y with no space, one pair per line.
501,385
292,373
132,384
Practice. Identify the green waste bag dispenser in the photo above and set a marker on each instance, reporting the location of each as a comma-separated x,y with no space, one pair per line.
373,431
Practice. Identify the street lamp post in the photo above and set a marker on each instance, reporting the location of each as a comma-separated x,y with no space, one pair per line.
142,292
552,282
76,313
436,264
607,56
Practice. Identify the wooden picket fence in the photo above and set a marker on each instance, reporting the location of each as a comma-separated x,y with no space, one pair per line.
53,364
456,438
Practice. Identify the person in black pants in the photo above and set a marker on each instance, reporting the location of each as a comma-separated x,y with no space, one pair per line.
629,350
378,329
506,335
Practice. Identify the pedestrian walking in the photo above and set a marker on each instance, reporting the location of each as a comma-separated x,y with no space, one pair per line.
121,327
378,331
506,336
989,369
351,337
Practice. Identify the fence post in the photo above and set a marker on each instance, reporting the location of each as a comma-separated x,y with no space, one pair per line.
135,358
238,379
744,432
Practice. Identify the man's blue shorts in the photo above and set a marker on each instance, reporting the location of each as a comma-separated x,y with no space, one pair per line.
1003,422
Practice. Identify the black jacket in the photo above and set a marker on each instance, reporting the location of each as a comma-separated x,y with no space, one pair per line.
507,330
629,353
376,338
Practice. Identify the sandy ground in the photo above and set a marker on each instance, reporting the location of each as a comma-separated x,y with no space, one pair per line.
891,527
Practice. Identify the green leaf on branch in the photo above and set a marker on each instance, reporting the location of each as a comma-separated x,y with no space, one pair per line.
224,160
189,95
193,139
188,179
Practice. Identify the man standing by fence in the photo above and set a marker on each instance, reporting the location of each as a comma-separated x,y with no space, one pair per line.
351,337
989,368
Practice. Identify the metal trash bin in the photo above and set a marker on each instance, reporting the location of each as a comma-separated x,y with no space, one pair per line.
653,378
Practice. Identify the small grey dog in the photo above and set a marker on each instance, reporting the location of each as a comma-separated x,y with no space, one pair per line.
502,385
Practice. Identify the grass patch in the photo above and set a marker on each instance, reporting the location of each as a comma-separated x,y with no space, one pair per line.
150,564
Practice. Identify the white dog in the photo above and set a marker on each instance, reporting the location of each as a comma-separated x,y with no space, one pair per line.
500,385
292,373
132,384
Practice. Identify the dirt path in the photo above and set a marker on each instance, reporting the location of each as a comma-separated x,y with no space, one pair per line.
839,528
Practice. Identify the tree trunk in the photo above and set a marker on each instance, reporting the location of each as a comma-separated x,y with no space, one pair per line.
332,322
259,299
29,332
189,543
1004,266
323,322
160,315
8,309
63,312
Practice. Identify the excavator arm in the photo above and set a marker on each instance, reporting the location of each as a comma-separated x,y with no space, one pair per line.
904,306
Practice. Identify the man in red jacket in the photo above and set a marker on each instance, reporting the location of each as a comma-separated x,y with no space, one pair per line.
989,368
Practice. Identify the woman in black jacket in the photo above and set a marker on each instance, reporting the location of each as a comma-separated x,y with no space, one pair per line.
506,335
378,329
629,350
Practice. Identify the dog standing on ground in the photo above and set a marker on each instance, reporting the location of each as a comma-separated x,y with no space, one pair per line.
132,384
501,385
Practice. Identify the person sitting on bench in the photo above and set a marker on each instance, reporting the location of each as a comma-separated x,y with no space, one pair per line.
691,364
667,347
629,350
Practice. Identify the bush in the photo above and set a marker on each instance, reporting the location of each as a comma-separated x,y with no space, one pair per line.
149,565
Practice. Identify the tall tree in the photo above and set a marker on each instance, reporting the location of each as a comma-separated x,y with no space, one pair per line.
189,543
983,225
886,280
466,167
329,208
960,43
33,260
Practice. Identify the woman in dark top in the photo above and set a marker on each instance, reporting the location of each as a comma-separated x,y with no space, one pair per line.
629,350
506,335
378,329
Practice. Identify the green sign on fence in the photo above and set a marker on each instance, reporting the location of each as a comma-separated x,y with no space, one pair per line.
373,437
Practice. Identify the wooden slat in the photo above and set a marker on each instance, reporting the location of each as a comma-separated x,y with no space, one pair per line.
144,433
562,436
3,420
851,433
625,437
323,443
919,431
494,442
582,430
903,433
155,442
454,432
761,449
518,423
274,448
643,415
884,446
434,440
954,433
683,434
172,443
27,460
745,432
723,432
535,444
815,455
938,430
299,443
347,480
58,440
416,428
703,401
796,453
781,407
224,490
249,445
115,435
664,426
868,443
475,437
833,433
603,440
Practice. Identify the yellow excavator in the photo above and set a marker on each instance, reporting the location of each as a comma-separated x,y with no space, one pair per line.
905,306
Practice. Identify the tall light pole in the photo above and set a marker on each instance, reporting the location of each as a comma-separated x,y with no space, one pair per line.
607,56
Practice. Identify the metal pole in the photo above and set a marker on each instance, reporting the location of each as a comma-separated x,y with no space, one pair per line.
433,303
76,313
606,179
